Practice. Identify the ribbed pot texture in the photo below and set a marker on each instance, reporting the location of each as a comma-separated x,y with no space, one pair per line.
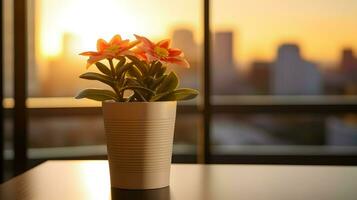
139,142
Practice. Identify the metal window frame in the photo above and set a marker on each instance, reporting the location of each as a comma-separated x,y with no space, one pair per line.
20,86
205,108
204,153
1,96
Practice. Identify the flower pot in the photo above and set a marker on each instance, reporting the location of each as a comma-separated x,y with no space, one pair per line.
139,142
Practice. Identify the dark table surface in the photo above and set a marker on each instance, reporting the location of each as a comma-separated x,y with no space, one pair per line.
89,180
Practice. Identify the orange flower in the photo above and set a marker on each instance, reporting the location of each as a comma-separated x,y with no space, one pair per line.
160,51
108,50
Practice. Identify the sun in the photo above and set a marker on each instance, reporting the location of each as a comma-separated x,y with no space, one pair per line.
87,20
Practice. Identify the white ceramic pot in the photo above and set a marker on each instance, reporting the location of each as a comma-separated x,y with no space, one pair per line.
139,142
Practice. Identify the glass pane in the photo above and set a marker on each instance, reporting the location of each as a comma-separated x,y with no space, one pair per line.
282,134
7,84
64,28
8,47
8,68
61,29
284,47
283,52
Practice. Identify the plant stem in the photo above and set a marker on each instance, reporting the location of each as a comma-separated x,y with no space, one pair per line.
115,87
112,69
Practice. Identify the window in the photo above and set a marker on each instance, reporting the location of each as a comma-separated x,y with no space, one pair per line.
62,33
282,76
283,55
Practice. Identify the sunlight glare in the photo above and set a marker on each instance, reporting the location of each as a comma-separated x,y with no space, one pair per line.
86,20
96,179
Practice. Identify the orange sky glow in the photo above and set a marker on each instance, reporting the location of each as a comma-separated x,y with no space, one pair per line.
321,27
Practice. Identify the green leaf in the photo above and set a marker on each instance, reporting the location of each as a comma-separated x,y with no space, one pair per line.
132,82
185,94
119,65
123,69
121,80
157,82
169,83
157,97
161,71
104,69
177,95
99,77
97,94
148,81
135,72
142,65
138,95
136,88
155,68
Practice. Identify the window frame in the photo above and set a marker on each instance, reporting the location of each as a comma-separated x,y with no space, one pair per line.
206,108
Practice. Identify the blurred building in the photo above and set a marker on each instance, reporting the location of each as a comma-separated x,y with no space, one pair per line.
59,82
348,68
183,39
348,60
291,74
342,79
259,76
224,72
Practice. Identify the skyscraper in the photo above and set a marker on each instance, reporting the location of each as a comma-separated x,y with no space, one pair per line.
259,76
64,70
183,39
348,70
348,60
224,73
291,74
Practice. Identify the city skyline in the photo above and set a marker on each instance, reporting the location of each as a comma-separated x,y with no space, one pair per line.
321,28
234,64
194,47
288,74
258,46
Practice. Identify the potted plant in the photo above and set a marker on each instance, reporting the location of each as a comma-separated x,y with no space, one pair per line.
140,108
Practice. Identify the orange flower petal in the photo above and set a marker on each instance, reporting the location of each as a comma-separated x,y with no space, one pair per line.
116,39
174,52
185,64
133,44
178,61
125,52
129,45
93,59
89,53
140,54
164,43
145,41
101,45
124,43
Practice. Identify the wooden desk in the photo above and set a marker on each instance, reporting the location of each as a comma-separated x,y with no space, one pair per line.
89,180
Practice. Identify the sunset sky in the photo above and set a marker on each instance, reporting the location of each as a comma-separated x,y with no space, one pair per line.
321,27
